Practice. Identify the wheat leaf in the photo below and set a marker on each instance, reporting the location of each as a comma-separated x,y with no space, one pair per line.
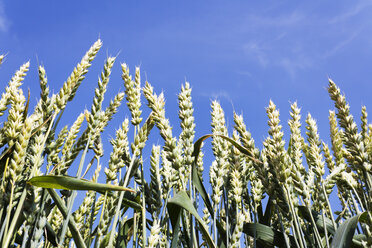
175,205
72,183
345,232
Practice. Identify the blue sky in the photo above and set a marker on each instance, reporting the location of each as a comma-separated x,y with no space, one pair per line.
242,53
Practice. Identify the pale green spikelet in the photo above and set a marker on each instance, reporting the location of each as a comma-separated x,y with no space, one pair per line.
199,163
54,148
245,136
275,146
235,239
45,100
107,215
364,126
169,175
14,123
315,159
236,178
133,93
69,88
154,235
65,159
112,109
336,138
352,138
155,184
36,150
94,117
278,160
171,149
17,163
86,207
39,230
296,140
257,190
120,150
142,136
12,89
188,129
315,162
328,157
55,219
206,216
220,147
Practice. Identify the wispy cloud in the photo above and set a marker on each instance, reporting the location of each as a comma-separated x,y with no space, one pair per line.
292,65
301,39
3,20
351,12
223,94
339,46
269,54
280,46
295,18
258,51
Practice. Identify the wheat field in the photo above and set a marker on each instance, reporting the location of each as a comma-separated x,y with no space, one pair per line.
276,196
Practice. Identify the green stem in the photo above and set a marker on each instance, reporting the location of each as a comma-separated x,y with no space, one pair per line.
329,206
74,194
282,226
118,207
143,209
71,224
6,234
297,226
7,239
317,235
325,230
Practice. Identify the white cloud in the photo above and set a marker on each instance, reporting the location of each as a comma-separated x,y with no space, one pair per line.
3,19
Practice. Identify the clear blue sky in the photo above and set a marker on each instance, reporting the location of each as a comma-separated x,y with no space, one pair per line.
240,52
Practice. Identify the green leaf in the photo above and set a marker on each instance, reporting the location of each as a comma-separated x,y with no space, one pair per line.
318,218
72,183
182,201
132,201
198,143
125,232
266,236
266,219
50,234
200,186
345,232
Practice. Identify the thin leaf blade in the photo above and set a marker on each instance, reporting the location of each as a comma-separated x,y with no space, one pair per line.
72,183
345,232
182,200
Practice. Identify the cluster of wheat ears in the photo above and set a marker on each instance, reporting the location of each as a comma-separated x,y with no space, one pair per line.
277,196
